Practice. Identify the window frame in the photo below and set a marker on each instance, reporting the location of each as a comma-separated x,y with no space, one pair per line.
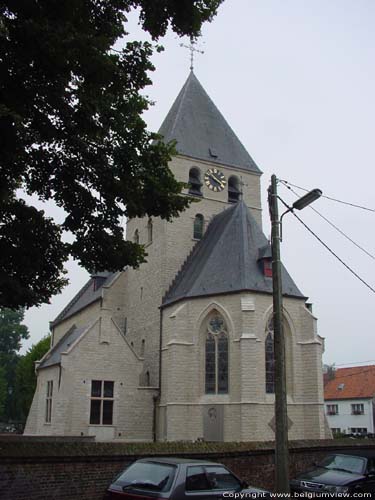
198,231
218,357
49,396
102,399
332,409
357,408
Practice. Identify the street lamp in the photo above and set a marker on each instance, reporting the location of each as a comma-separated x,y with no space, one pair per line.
281,415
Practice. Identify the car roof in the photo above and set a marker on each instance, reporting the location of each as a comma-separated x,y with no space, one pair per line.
178,461
356,453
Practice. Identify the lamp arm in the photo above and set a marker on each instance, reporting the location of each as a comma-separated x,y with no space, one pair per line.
289,209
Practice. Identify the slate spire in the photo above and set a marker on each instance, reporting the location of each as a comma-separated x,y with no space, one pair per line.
226,260
201,131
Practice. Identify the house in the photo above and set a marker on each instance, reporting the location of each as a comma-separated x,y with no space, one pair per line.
182,348
349,396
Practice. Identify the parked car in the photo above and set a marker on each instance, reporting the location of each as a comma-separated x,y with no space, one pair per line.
178,479
339,473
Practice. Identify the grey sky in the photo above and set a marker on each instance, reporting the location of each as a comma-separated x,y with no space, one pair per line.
295,80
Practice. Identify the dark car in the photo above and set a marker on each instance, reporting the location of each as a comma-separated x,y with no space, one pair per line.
178,479
339,473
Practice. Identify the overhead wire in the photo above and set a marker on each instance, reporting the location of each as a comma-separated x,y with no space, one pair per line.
333,253
329,197
333,225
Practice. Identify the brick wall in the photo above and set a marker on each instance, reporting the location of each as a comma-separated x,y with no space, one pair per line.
82,470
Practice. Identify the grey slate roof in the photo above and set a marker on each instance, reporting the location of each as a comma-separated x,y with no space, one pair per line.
226,260
54,356
201,131
87,295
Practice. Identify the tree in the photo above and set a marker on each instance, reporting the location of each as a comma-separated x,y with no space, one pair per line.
25,382
12,332
71,131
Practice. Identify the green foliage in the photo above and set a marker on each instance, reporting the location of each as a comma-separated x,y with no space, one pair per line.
71,131
3,391
12,332
25,380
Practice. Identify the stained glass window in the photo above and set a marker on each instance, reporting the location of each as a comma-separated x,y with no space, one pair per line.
216,356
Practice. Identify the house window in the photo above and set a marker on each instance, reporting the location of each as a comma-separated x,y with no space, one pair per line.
49,401
198,227
195,185
358,409
149,231
336,430
101,403
233,189
216,367
358,430
332,409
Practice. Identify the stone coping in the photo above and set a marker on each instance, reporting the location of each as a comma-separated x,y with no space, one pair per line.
79,450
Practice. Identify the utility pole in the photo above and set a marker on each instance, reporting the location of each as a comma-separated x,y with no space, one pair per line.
281,412
281,417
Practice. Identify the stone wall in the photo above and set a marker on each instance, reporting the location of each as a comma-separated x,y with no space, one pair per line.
78,470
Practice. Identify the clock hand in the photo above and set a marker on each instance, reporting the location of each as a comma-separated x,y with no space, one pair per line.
218,180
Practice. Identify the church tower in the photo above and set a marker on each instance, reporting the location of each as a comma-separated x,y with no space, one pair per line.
182,347
205,296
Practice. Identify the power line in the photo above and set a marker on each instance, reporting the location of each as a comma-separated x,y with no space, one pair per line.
357,363
329,197
333,225
334,254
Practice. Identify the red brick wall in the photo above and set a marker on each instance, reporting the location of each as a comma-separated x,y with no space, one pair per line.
79,471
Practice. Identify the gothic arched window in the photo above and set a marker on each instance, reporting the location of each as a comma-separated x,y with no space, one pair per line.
216,350
149,231
198,227
195,185
136,236
233,189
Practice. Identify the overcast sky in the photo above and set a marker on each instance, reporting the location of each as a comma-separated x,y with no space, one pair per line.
295,80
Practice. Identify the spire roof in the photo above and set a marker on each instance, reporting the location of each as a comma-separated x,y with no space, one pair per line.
201,131
228,259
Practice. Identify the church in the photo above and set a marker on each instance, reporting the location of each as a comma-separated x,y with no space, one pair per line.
181,348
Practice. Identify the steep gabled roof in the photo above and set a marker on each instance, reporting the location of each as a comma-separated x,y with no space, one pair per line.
86,296
53,357
226,260
351,383
201,131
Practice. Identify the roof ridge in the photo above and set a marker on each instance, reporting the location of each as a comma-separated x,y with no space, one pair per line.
70,304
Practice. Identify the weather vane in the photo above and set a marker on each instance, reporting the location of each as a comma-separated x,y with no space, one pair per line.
192,49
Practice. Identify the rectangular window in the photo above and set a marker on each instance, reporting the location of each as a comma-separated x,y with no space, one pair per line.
358,409
101,403
336,430
49,401
332,409
358,430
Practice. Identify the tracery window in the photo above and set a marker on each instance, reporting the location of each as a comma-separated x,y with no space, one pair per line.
216,351
270,358
198,227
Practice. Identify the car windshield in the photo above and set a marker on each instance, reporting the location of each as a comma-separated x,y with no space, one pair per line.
346,463
147,475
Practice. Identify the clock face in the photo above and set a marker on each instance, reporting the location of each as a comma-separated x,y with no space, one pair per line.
215,180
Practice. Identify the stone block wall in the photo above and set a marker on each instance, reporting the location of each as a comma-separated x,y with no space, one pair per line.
79,470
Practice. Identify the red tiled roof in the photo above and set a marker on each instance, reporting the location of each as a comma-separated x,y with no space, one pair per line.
355,382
